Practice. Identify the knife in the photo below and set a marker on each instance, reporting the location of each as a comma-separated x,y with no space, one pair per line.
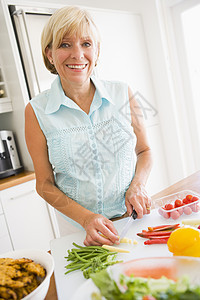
128,224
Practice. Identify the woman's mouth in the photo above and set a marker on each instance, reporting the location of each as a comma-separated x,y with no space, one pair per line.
77,67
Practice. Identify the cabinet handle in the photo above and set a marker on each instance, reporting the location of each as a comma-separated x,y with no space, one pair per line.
22,195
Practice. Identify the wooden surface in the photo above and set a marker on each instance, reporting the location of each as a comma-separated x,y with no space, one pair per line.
13,180
191,183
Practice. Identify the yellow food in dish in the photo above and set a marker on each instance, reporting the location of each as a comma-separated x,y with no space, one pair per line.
19,277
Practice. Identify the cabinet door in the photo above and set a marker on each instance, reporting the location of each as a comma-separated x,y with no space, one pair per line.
5,242
27,217
1,210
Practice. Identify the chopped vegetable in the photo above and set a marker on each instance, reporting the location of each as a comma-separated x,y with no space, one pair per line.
163,227
191,222
146,234
115,249
90,259
162,240
158,234
135,242
126,240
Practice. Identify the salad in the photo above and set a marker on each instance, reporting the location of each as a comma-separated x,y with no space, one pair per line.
138,288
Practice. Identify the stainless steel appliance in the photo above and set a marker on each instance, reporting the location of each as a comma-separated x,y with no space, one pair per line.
9,160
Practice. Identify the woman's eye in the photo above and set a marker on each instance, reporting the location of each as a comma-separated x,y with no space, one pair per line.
86,44
65,45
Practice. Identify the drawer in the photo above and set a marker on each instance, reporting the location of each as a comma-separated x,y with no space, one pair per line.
18,190
5,242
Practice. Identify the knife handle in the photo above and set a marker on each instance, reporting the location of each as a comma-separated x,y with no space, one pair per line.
134,214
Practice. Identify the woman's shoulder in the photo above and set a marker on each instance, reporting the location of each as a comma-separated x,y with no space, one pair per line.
40,100
113,83
116,86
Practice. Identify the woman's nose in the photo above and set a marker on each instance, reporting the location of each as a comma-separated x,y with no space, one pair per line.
77,52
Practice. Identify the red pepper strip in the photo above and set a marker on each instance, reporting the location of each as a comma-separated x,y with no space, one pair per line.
159,237
156,241
157,233
163,227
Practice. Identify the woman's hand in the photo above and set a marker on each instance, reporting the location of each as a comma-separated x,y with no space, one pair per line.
137,198
96,224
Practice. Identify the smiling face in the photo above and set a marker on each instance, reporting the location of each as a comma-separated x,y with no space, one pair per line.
74,58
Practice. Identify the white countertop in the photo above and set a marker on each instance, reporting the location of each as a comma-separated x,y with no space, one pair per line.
67,284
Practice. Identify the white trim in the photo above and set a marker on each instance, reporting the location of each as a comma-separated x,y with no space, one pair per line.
189,140
173,3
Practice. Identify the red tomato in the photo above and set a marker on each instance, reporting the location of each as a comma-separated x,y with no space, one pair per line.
194,207
169,206
186,201
189,198
166,214
180,210
175,214
194,199
178,203
187,210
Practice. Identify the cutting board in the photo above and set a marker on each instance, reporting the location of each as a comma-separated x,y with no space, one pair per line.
67,284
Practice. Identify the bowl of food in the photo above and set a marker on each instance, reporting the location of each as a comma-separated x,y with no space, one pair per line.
25,274
145,278
183,202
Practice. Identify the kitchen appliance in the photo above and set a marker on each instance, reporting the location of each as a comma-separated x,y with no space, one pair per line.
9,160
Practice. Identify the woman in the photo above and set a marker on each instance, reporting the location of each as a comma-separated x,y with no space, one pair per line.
83,133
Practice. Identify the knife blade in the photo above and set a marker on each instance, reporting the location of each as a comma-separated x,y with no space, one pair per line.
128,224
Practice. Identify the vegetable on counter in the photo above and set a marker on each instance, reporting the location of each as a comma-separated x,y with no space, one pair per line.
125,240
162,240
185,241
115,249
191,222
163,227
158,234
89,259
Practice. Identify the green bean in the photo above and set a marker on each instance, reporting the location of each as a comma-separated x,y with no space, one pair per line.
88,259
79,257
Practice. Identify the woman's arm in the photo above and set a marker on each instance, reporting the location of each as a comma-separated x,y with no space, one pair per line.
136,195
46,188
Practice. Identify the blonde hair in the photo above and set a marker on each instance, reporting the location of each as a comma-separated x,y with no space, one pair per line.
67,21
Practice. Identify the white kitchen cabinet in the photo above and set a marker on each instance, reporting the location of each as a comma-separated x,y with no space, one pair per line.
28,217
5,241
5,102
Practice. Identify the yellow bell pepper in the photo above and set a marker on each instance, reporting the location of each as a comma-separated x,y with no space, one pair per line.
185,241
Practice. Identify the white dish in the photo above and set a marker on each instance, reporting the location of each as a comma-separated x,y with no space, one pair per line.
41,257
85,290
174,268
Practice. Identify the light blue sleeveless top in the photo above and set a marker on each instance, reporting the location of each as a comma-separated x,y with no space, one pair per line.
92,155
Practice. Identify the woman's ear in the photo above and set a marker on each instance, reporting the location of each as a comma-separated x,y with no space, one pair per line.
97,54
48,52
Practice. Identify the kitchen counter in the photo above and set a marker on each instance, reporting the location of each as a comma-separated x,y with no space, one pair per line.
13,180
191,182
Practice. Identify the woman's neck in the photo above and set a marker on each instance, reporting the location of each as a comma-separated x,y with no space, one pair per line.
82,94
